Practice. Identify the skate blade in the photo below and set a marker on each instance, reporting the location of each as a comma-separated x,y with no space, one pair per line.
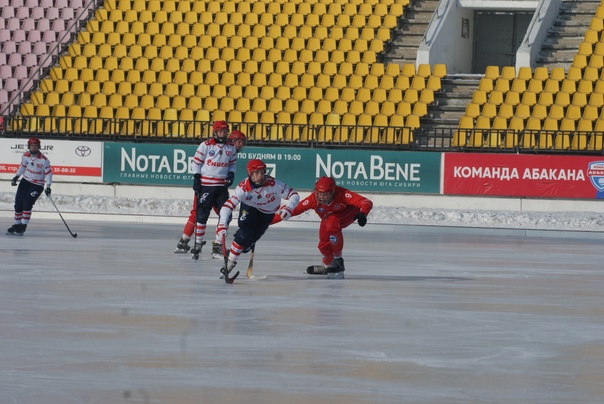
180,251
15,234
217,256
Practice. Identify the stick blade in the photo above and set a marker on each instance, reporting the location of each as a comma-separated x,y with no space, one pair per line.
231,279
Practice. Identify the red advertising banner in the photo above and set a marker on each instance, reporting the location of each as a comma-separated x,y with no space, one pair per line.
58,170
547,176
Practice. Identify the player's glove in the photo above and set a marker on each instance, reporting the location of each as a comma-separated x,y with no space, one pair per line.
197,183
47,191
230,178
14,181
221,229
361,219
285,213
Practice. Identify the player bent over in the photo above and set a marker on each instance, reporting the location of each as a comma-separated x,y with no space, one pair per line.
260,197
338,208
35,168
214,168
238,139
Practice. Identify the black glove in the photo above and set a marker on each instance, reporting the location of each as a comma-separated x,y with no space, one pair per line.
14,181
361,219
197,183
47,191
230,178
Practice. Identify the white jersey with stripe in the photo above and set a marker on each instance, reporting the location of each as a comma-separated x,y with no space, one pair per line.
214,161
35,169
267,198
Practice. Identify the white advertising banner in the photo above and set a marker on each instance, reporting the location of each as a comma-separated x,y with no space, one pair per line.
71,160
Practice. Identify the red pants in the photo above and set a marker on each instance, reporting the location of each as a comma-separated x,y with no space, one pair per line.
190,226
331,240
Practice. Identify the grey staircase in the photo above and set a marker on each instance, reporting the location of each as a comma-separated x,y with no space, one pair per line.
410,32
567,32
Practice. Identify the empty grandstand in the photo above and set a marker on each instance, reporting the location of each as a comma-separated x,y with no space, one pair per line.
390,74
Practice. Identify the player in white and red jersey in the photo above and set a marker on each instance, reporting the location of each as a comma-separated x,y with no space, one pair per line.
260,198
238,139
214,168
338,208
36,170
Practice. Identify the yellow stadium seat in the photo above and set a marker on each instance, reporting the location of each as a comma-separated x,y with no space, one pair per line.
596,139
393,69
562,139
492,72
531,129
479,97
568,86
562,99
540,112
579,99
546,98
408,70
439,70
529,98
464,129
535,86
590,113
585,87
496,97
502,85
524,73
473,110
482,128
551,86
584,130
505,111
515,127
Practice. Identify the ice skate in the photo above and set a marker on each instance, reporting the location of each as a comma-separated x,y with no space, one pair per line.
336,266
12,230
336,269
196,250
216,249
17,230
182,246
316,270
230,265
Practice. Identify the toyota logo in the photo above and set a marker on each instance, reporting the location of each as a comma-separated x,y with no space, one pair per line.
83,151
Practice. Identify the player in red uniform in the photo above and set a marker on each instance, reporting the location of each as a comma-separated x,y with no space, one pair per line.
338,208
238,139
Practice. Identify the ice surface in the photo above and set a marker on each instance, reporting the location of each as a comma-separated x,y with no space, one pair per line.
425,315
575,220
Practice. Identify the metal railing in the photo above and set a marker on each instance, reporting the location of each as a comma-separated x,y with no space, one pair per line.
307,135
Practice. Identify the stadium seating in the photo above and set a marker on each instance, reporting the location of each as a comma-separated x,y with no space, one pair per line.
146,43
30,33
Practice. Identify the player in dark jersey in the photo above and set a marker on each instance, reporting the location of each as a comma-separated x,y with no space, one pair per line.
35,169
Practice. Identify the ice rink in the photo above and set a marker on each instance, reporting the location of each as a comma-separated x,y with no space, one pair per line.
425,315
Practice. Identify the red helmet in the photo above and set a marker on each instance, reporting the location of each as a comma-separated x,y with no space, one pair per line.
255,165
325,184
33,140
235,136
219,126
